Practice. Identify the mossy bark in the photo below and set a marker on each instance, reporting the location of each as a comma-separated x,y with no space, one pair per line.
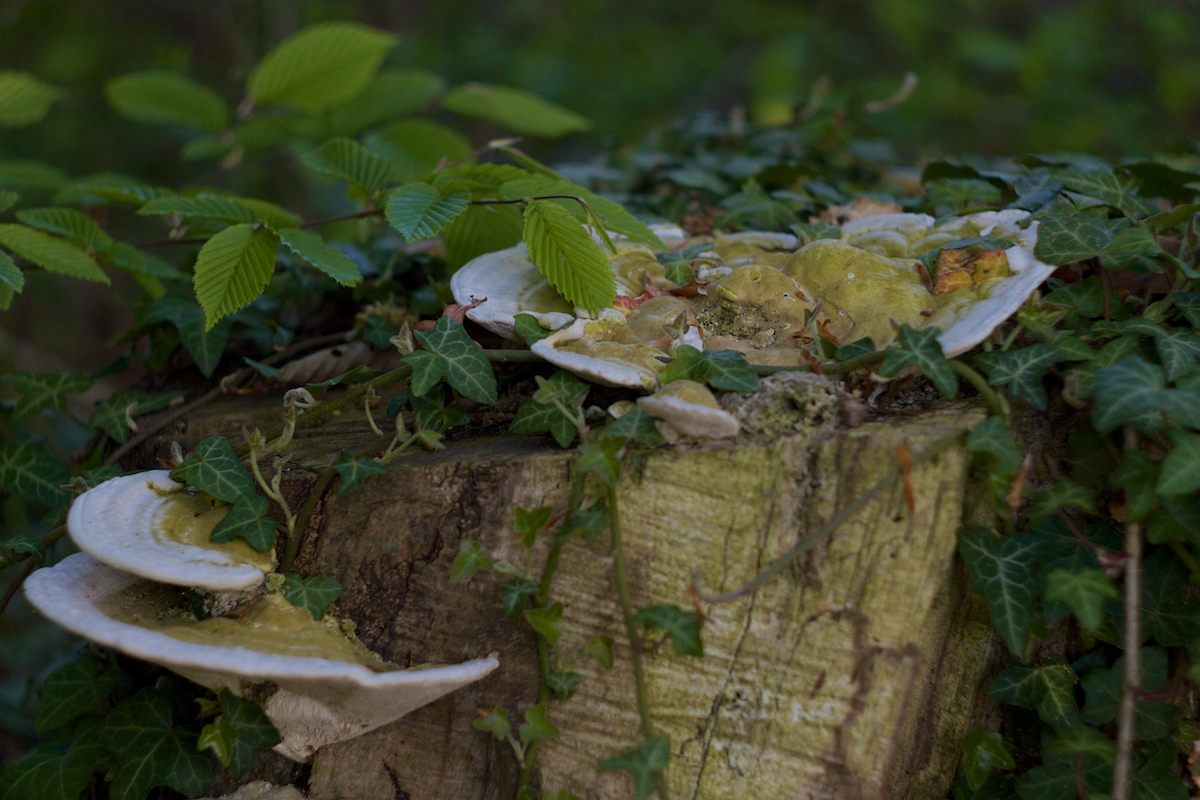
854,674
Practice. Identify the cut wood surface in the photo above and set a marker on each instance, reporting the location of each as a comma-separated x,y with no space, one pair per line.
854,674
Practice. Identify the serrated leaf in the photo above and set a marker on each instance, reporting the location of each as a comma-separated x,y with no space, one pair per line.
415,147
1021,370
214,468
151,752
24,99
223,208
536,726
469,559
45,390
479,230
420,211
51,254
69,223
635,425
313,249
1084,592
315,594
984,750
992,437
1067,238
1133,392
11,278
601,648
167,97
514,593
1137,475
232,269
514,109
76,689
32,474
449,353
355,470
348,160
248,519
322,66
391,94
616,218
921,348
683,627
1105,185
1181,468
1004,573
562,684
567,256
19,173
645,763
545,621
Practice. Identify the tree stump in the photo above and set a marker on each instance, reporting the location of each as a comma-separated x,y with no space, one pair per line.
854,674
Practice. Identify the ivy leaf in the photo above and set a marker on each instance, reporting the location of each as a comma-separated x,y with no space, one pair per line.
313,249
567,256
215,469
601,648
45,390
151,752
51,254
355,470
601,458
1085,297
922,349
727,370
248,519
513,594
1154,774
232,269
218,736
47,773
1137,475
24,99
527,327
1179,349
1067,238
983,750
514,109
496,722
1177,520
34,475
645,763
76,689
590,522
1004,573
1063,494
469,559
992,437
960,191
167,97
110,416
205,346
540,414
24,543
1138,240
450,353
536,726
683,626
349,161
421,211
634,425
529,523
1169,620
1181,468
1084,592
563,684
1109,187
1103,689
545,621
315,594
320,67
1021,370
1133,392
1050,689
1082,739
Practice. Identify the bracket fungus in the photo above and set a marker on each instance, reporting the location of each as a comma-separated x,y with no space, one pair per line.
321,685
766,297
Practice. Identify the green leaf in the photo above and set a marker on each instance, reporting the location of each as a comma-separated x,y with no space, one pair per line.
1179,349
1103,689
76,689
1133,392
590,522
1021,370
215,469
601,458
982,751
1067,238
1154,776
392,94
1170,620
415,147
223,208
127,258
683,626
529,523
1049,689
563,684
248,519
51,254
921,348
348,160
24,99
167,97
601,648
479,230
1137,475
528,328
569,258
616,218
360,374
110,416
1181,468
30,175
514,109
496,722
539,414
315,594
645,763
1084,592
204,346
11,277
727,370
34,475
218,736
960,191
635,425
1063,494
45,390
420,211
992,437
449,353
1137,240
151,752
1082,739
1178,520
69,223
1110,187
1004,573
355,470
49,774
24,543
514,593
232,269
1085,297
537,726
469,559
320,67
545,621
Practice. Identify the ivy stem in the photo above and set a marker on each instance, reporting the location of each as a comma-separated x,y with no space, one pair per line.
810,540
1132,639
49,538
996,402
1012,337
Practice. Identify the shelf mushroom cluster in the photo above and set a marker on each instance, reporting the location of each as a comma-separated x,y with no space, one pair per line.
142,537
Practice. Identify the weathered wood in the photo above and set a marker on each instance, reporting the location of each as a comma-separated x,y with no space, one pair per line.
852,675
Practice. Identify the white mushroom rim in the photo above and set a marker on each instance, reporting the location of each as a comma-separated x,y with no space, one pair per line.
318,701
144,525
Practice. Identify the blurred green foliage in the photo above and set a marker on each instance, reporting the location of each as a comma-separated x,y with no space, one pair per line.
1116,77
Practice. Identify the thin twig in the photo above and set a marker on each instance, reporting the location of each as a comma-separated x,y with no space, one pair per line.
808,541
1132,638
48,538
367,212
